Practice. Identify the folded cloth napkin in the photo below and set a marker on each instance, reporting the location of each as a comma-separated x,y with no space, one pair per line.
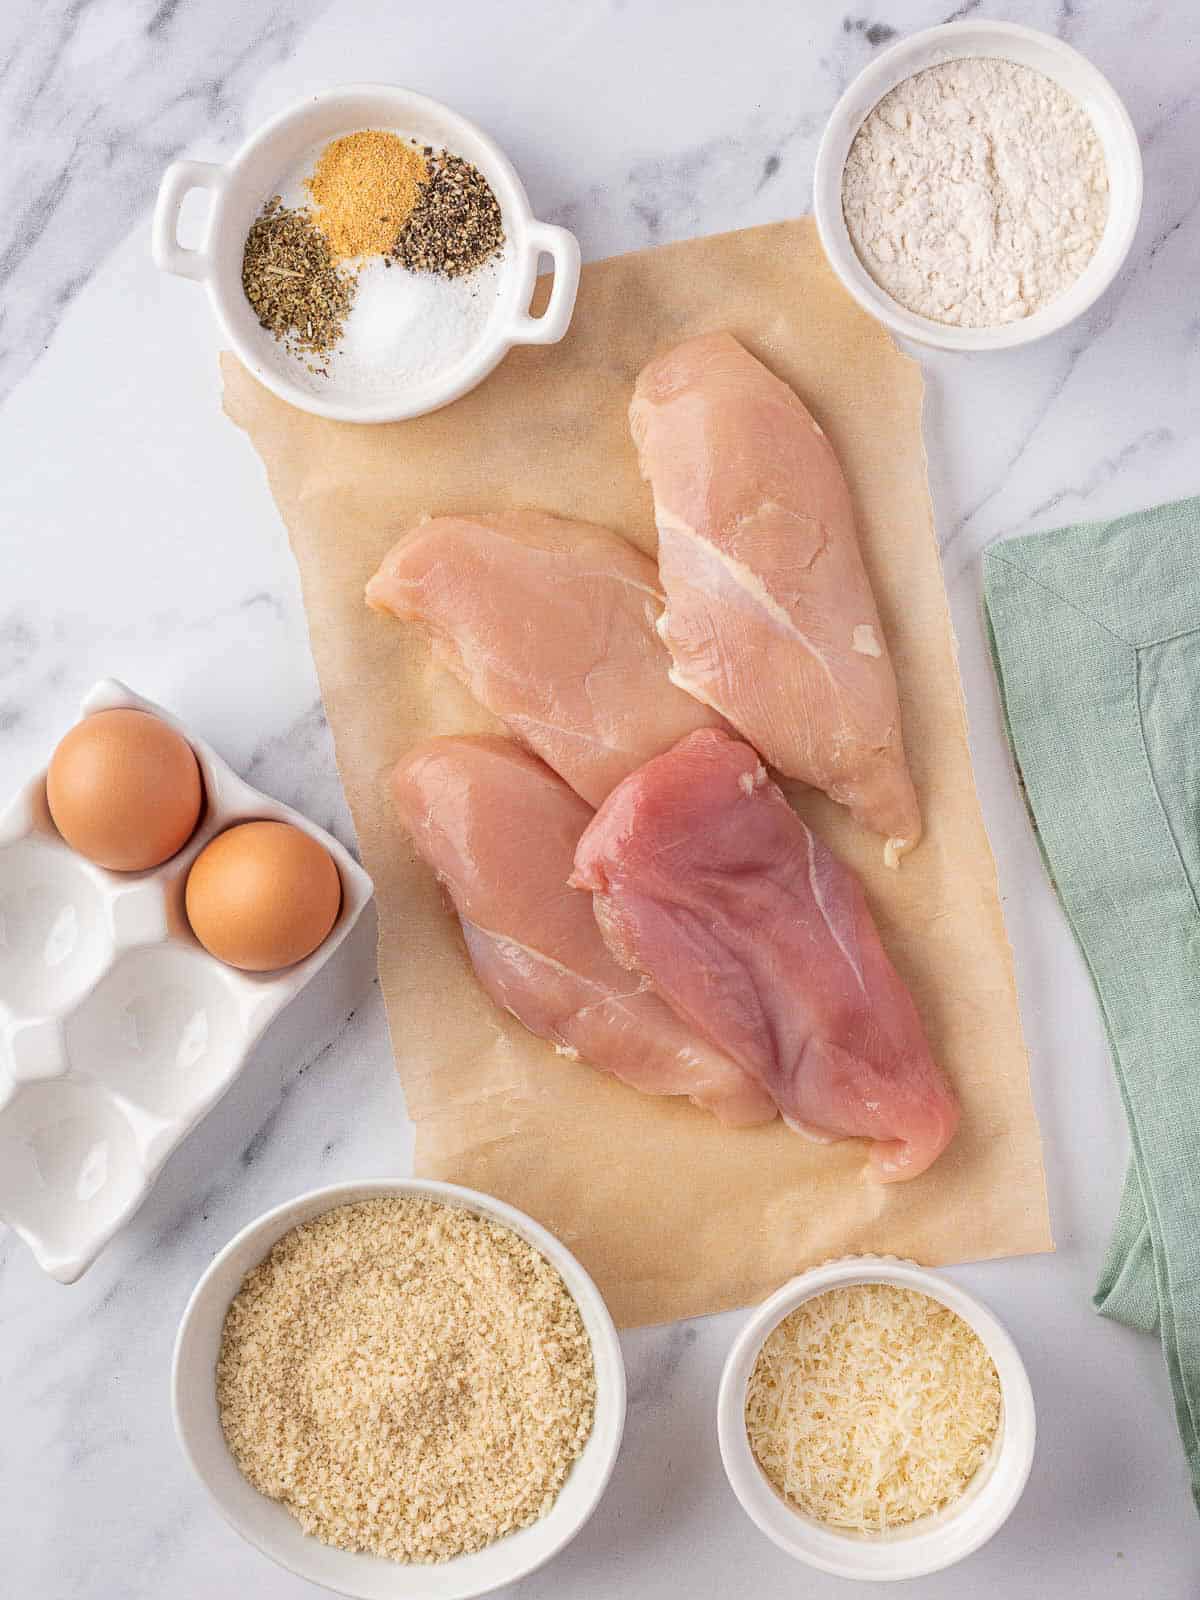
1095,634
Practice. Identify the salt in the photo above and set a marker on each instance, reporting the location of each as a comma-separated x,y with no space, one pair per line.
404,328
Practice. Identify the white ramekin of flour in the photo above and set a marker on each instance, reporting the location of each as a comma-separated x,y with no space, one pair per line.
980,207
348,391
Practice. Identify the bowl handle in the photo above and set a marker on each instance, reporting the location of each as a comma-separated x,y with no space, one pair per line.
563,249
178,181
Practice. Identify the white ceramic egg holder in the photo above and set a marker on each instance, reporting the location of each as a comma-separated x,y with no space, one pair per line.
118,1031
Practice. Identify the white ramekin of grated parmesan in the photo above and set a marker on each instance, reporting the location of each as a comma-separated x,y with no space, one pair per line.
875,1420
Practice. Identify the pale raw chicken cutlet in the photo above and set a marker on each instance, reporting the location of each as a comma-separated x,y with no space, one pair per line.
550,624
500,829
770,618
706,881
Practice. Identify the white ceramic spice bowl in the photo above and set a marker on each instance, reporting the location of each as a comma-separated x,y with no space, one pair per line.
1027,47
276,1533
118,1030
239,189
923,1547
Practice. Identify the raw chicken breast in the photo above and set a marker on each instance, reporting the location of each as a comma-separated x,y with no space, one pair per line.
500,831
705,880
551,625
770,617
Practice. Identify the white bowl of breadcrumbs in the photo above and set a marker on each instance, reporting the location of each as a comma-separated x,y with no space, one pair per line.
400,1388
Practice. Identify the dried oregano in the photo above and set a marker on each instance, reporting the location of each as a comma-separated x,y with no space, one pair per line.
292,282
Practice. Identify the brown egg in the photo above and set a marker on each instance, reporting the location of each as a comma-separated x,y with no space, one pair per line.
262,895
124,790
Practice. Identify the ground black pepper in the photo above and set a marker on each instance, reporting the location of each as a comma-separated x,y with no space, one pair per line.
291,281
455,225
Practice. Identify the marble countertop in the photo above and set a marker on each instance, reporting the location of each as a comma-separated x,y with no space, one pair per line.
137,538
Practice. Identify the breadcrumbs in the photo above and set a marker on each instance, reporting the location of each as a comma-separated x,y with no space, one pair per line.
406,1378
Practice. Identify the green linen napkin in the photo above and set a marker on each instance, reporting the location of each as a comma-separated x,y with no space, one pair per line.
1095,635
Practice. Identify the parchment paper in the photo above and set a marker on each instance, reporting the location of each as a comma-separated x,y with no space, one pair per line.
673,1214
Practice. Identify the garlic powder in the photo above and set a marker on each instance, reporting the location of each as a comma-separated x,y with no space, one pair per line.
976,192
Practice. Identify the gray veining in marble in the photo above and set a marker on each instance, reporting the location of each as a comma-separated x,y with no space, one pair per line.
96,97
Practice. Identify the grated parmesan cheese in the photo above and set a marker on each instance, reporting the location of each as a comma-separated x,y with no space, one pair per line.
871,1406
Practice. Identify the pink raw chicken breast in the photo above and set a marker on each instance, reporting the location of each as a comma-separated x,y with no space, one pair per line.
551,625
705,880
770,617
500,830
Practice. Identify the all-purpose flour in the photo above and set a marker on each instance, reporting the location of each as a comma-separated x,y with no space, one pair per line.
976,192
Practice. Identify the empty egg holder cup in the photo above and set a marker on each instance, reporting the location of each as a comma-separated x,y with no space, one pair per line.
118,1030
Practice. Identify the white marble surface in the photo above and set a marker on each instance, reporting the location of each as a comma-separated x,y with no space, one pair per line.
137,538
